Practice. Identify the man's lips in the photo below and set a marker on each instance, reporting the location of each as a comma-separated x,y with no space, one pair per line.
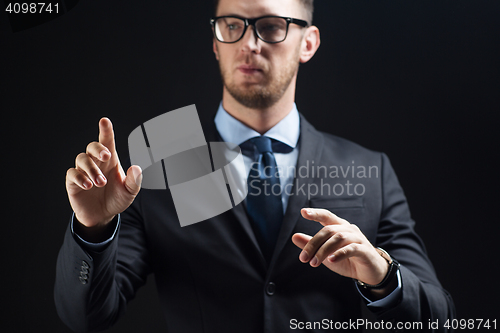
249,69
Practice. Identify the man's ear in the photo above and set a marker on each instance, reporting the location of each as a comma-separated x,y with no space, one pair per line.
310,43
216,51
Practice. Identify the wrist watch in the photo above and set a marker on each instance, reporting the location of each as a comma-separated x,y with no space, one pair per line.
391,272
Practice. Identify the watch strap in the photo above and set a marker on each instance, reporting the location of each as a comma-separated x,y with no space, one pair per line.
391,273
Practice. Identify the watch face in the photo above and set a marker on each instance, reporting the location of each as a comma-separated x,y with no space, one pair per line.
385,255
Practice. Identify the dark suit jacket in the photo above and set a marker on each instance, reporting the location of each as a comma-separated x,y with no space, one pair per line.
212,277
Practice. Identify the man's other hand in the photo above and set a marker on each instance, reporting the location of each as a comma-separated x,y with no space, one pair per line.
341,247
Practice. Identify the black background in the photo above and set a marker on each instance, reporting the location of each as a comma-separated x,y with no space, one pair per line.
418,80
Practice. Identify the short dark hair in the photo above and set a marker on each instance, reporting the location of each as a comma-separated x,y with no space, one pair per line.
308,6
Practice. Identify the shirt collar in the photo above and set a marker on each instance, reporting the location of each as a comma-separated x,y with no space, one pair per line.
233,131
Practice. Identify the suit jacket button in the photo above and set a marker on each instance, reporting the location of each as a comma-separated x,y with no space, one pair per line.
270,288
85,264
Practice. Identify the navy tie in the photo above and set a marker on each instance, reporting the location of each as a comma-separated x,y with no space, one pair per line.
264,204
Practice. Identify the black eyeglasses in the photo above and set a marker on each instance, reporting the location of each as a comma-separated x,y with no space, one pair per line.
270,29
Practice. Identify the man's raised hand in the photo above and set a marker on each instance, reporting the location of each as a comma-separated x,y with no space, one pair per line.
341,247
97,186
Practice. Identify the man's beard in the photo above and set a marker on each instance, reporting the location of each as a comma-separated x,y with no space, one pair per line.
264,94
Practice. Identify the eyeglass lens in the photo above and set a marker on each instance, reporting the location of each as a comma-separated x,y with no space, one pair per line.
270,29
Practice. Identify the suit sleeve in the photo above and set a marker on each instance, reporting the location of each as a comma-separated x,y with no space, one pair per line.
92,288
423,297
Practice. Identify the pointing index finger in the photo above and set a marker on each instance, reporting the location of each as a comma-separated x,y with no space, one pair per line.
323,216
106,134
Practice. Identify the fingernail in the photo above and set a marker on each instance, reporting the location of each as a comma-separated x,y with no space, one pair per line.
103,154
138,176
100,180
86,184
331,258
308,212
314,261
304,256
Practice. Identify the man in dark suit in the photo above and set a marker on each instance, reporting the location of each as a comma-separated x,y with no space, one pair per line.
335,248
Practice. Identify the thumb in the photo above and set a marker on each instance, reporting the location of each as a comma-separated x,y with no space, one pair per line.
134,179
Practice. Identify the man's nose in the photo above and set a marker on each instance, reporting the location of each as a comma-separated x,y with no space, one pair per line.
250,41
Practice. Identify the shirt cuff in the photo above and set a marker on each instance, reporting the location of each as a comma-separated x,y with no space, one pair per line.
387,302
94,247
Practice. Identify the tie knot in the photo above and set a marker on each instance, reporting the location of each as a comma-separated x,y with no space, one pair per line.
262,143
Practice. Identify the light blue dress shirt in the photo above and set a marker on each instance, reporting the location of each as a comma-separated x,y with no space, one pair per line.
287,131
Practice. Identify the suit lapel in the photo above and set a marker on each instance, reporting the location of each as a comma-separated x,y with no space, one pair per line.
310,148
239,211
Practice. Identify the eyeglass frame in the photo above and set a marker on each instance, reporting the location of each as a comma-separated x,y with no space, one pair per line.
248,22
